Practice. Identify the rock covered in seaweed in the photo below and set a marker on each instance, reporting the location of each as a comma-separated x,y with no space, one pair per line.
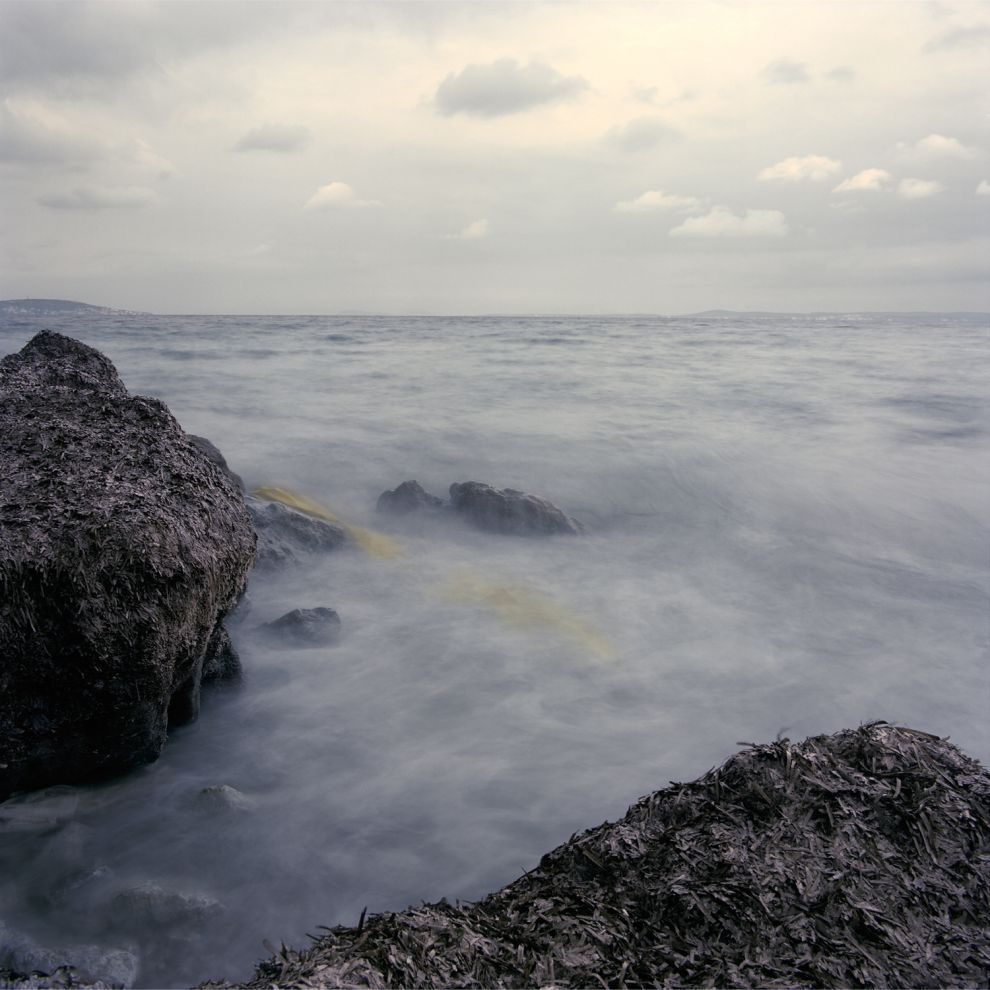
509,511
857,859
121,548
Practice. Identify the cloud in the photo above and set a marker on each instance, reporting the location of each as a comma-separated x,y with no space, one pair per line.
841,73
960,37
784,72
983,189
654,200
919,188
938,146
504,87
35,137
640,134
100,198
722,222
336,195
472,232
275,137
816,168
868,180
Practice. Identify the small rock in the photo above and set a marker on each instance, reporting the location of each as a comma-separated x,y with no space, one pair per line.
284,535
222,798
148,905
221,662
306,626
39,810
410,496
510,511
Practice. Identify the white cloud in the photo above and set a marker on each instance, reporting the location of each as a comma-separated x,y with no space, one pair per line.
336,195
641,134
983,189
816,168
960,37
275,137
722,222
472,232
867,180
655,199
33,135
919,188
938,146
504,87
100,198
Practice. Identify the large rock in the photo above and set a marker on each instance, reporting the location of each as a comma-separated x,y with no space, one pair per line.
853,860
121,548
510,511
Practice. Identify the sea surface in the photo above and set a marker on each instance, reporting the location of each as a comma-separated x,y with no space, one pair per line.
787,534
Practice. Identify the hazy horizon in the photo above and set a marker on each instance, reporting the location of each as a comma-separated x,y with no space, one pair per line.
463,158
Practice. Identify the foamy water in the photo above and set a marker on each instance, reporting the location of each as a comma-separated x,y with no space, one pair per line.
787,532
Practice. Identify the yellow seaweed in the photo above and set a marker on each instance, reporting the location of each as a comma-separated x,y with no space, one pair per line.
373,543
520,605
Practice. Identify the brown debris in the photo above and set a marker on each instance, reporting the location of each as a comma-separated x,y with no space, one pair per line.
860,859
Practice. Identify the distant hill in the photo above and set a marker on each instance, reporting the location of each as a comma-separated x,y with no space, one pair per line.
51,307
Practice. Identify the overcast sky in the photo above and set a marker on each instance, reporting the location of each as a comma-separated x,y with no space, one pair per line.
480,157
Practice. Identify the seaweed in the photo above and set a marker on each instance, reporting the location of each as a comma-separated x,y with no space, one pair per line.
859,859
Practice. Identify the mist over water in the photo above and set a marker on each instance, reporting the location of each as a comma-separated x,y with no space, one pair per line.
787,532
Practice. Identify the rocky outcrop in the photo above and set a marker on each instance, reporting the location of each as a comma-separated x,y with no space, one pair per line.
121,548
286,536
306,627
495,510
858,859
213,454
509,511
410,496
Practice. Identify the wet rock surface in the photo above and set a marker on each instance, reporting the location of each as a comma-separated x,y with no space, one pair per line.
509,511
305,627
408,497
122,546
285,536
21,954
857,859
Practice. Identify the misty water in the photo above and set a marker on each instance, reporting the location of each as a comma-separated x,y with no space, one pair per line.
787,533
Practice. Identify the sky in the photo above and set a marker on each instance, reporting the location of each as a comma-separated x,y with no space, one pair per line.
496,157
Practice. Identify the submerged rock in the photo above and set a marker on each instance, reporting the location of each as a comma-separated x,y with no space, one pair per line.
121,549
20,954
858,859
509,511
410,496
306,627
222,798
285,535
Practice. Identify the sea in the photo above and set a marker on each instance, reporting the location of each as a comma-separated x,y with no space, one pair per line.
786,535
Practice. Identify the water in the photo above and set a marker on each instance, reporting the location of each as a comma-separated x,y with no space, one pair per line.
788,522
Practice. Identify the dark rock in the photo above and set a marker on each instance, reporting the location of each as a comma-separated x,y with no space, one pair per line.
150,906
220,662
306,627
285,536
510,511
410,496
215,457
852,860
121,548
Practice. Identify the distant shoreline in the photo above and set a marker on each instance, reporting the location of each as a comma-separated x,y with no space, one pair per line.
59,307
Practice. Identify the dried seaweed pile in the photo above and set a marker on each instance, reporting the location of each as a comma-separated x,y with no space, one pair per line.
121,546
860,859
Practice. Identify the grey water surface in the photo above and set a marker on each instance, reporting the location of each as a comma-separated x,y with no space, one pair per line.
787,532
